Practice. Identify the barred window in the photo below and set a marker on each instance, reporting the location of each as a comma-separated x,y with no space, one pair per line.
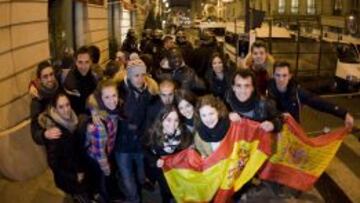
311,7
281,6
295,6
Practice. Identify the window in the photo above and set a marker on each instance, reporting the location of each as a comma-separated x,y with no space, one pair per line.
295,6
311,7
61,30
281,6
125,23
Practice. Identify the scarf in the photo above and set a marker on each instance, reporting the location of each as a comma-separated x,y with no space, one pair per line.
46,93
172,141
215,134
245,106
71,124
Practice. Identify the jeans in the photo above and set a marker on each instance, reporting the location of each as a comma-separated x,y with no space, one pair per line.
128,174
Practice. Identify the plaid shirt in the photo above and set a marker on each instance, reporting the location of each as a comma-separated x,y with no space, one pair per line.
100,140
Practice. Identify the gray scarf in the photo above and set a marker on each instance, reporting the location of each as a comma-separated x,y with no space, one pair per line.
70,124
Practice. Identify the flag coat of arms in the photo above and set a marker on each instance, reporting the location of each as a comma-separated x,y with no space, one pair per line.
241,153
298,160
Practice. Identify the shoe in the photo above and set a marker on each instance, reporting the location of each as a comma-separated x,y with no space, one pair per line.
147,185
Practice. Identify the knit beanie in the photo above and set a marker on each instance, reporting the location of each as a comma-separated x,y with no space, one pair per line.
135,67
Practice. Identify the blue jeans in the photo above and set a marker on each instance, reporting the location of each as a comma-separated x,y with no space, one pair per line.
128,182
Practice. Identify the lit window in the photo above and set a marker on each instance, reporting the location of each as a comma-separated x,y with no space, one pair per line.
294,6
125,23
311,6
281,6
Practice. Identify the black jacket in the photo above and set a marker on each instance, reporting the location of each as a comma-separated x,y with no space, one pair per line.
130,45
295,96
37,106
132,128
186,51
78,88
184,76
66,158
219,87
264,109
153,110
201,57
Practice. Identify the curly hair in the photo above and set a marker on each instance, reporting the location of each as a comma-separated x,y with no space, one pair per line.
215,102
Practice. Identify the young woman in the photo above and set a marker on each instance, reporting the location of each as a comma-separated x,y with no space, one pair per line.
167,136
212,125
218,76
100,135
185,102
64,147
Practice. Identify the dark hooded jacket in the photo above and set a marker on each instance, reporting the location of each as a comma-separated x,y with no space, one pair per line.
295,96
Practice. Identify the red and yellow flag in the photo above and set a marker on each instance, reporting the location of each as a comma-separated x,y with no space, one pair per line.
241,153
299,160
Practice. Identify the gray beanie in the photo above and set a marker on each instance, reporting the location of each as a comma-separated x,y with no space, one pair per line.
135,67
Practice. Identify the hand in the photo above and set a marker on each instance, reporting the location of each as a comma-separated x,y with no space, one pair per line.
80,177
267,126
96,119
52,133
234,117
34,93
160,163
349,120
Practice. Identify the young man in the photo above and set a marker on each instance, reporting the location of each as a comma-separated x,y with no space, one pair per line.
178,71
165,97
47,87
128,149
80,81
244,100
289,96
260,62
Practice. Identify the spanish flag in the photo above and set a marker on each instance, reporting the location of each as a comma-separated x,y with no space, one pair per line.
298,160
241,153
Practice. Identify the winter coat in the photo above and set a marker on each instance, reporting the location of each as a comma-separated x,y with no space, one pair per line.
264,109
78,87
295,96
65,156
184,76
134,111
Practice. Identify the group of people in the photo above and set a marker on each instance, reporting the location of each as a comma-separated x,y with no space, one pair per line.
109,125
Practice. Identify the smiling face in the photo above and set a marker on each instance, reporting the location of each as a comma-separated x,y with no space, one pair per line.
109,96
259,55
47,77
186,109
63,107
217,65
170,123
243,88
209,116
83,63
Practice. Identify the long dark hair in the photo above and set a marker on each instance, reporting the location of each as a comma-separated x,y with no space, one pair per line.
56,97
188,96
217,55
156,136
